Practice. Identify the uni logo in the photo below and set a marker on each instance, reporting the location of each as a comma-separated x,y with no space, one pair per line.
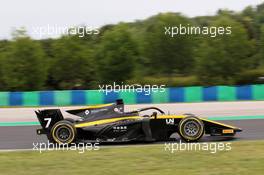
170,121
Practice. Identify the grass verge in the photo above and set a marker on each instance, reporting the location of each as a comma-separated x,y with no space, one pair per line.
244,158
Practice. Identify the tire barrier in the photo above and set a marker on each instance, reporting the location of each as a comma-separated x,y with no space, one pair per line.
169,95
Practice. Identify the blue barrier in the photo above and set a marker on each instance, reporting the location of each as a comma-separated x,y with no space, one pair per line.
170,95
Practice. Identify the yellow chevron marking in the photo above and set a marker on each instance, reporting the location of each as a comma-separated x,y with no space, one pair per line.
96,106
104,121
169,116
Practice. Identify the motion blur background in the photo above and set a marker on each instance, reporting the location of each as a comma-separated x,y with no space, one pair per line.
136,51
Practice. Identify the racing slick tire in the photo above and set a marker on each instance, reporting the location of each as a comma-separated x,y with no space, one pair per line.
63,132
191,129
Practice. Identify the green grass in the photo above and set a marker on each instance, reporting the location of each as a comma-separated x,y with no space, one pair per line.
244,158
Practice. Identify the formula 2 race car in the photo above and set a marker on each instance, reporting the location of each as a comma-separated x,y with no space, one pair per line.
109,123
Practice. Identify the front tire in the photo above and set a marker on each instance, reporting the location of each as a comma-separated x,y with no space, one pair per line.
191,129
63,132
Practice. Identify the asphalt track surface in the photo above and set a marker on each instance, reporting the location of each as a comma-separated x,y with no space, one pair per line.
23,137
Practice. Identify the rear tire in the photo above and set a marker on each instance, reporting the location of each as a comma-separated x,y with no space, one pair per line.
191,129
63,132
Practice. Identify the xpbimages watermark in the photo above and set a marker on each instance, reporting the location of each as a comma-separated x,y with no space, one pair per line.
80,147
50,30
146,89
211,31
212,147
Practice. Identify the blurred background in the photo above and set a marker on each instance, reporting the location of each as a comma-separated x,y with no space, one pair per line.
139,52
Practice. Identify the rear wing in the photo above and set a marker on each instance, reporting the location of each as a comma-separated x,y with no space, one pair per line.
47,118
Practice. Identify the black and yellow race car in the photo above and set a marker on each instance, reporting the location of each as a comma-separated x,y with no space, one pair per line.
110,123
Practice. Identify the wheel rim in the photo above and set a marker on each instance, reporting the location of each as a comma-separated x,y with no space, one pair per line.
63,134
191,128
